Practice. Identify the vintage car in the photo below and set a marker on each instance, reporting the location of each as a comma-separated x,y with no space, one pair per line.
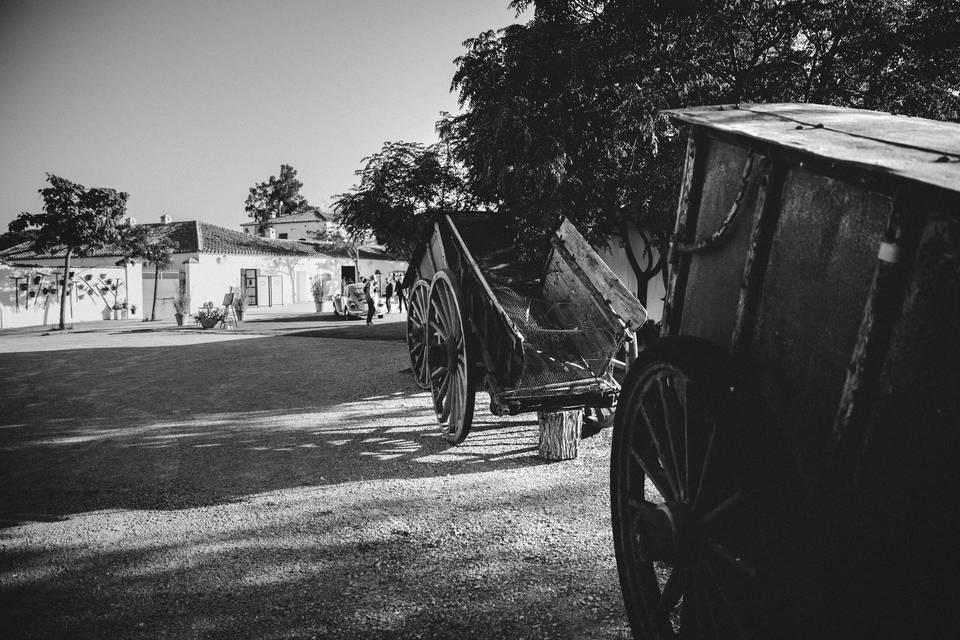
351,303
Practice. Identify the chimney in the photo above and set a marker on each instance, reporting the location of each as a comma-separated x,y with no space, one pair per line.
165,219
131,221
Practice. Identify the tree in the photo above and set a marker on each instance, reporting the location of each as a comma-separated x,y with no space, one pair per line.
276,197
560,114
74,218
149,245
398,187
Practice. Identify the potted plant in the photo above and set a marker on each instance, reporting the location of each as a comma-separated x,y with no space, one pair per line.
208,316
320,288
133,309
181,305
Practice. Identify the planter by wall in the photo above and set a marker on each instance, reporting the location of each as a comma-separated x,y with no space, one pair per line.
209,323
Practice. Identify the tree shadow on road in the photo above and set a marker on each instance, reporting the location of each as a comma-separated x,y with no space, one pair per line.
179,427
355,566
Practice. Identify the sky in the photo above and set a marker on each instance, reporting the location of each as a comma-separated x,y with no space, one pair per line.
186,105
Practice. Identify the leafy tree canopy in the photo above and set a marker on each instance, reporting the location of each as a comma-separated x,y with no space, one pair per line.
276,197
146,244
75,218
78,218
398,187
560,113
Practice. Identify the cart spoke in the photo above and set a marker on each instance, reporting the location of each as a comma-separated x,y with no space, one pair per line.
706,462
438,329
672,592
660,454
654,473
708,607
727,606
442,390
661,383
728,502
723,554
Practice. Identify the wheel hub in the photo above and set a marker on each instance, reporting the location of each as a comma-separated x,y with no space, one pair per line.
438,355
665,532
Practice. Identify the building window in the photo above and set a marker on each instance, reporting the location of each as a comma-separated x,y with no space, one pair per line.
283,236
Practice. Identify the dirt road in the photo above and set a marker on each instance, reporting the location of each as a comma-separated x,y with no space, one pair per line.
281,486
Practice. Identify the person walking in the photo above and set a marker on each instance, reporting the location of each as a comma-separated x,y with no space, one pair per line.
399,290
388,292
368,295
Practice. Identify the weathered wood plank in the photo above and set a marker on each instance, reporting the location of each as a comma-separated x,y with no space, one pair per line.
437,253
687,209
927,151
761,236
623,303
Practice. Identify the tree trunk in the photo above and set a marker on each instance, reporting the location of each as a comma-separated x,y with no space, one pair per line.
63,291
559,434
156,285
644,276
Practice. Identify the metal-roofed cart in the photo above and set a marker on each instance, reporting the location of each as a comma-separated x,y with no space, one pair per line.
785,458
539,338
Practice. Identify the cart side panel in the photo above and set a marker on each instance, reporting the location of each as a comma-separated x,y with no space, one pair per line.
615,298
498,345
822,262
713,289
907,475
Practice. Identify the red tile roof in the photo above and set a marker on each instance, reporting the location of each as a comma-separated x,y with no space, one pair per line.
194,236
311,215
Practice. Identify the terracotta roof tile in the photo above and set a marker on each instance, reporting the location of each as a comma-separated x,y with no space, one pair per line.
194,236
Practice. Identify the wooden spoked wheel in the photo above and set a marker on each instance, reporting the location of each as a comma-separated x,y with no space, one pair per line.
417,332
682,524
452,381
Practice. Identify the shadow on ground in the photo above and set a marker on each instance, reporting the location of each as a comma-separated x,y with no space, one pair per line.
178,427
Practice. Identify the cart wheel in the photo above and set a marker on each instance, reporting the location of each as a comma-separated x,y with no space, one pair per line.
452,381
682,524
417,332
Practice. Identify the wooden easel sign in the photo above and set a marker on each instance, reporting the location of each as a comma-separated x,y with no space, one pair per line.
229,313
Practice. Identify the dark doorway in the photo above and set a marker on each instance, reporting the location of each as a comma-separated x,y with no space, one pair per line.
348,274
249,279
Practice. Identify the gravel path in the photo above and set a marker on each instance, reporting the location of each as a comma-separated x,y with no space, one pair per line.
282,487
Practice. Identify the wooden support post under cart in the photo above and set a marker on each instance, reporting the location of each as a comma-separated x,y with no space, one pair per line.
559,434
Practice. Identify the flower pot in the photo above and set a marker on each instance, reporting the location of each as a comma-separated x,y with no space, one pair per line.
239,314
209,323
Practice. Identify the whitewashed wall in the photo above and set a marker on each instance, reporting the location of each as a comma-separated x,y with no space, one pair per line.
209,277
86,301
615,256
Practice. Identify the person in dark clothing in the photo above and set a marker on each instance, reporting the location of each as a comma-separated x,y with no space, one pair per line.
368,294
399,290
389,292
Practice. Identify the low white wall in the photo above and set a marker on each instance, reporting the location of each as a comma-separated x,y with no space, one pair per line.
615,256
95,289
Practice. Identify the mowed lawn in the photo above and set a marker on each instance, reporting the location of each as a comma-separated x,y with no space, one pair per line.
168,485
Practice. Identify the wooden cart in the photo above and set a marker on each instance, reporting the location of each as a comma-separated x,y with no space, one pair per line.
540,338
785,457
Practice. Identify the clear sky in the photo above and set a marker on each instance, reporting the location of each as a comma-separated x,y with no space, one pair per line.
185,105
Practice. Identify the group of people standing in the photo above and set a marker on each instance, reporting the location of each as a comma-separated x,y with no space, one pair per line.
394,287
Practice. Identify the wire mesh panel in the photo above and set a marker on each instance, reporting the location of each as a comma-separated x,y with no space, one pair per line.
561,345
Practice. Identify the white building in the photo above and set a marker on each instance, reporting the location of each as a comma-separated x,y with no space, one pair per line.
305,226
211,261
